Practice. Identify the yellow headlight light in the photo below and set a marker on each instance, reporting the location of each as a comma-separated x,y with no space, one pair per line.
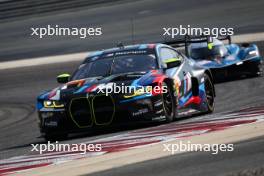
53,104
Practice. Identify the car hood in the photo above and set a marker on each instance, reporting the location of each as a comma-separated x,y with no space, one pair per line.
219,62
84,86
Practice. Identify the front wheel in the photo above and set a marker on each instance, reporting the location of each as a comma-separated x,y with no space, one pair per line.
209,91
168,102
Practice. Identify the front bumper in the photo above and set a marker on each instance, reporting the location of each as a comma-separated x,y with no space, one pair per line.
82,113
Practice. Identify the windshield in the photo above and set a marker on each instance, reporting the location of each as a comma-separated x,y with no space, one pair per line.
205,53
114,65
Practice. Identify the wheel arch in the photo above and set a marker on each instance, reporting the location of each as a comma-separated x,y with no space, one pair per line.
170,83
210,75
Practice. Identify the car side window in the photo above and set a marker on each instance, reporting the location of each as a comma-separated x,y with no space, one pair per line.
167,53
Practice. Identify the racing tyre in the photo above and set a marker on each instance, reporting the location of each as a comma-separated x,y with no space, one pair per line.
168,103
209,91
257,69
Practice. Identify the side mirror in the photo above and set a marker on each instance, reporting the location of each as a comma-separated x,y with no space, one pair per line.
63,78
174,62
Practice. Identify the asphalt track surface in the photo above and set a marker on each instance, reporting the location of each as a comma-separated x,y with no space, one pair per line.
19,87
149,17
246,159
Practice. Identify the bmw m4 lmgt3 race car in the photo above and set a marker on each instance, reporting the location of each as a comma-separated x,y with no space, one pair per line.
84,101
225,60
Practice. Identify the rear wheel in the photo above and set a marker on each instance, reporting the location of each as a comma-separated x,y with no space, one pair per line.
168,103
257,69
209,91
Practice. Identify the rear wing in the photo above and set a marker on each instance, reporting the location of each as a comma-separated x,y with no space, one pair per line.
195,39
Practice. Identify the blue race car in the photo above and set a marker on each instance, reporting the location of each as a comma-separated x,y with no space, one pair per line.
224,60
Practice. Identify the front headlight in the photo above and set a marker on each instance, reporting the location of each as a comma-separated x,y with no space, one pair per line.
53,104
253,53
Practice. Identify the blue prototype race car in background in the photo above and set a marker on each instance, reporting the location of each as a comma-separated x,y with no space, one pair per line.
224,60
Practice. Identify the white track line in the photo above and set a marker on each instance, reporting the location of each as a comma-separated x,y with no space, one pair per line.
254,37
43,60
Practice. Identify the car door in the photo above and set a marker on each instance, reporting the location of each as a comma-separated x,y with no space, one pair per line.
181,74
